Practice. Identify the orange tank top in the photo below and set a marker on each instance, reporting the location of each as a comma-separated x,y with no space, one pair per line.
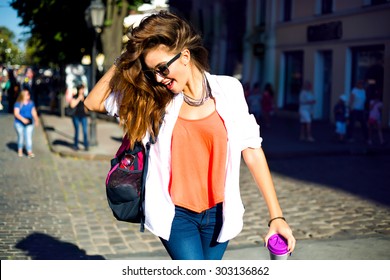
199,150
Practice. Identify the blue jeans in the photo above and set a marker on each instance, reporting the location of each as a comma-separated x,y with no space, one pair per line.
194,235
76,124
24,133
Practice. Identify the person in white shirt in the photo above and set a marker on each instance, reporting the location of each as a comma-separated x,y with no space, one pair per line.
306,109
357,103
160,87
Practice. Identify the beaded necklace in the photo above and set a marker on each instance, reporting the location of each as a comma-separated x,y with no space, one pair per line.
205,96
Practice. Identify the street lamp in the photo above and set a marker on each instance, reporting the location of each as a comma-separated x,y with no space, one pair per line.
94,16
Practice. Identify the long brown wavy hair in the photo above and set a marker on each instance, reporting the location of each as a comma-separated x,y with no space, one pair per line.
142,101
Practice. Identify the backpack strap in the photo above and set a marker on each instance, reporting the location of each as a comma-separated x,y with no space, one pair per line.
142,194
123,147
121,150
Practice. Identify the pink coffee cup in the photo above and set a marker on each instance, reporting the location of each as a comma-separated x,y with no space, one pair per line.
278,248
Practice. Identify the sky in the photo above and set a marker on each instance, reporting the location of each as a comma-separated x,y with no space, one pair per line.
9,19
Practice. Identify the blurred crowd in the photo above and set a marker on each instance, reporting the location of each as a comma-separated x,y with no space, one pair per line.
361,109
44,86
362,106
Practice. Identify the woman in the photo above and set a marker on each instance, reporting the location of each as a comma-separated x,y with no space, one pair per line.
306,108
254,102
267,104
375,118
79,115
25,118
162,86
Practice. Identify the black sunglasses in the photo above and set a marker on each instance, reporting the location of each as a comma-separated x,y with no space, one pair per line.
162,70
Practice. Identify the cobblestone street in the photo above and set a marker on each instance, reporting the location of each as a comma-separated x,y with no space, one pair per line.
54,207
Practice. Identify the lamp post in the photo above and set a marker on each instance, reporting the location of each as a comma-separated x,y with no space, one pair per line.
94,15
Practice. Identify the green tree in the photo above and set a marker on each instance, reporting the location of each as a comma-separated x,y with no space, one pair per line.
116,11
59,32
9,51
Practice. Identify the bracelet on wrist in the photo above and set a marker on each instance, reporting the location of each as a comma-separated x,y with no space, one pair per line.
273,219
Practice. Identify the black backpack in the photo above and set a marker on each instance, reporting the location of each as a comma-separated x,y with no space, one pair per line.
125,182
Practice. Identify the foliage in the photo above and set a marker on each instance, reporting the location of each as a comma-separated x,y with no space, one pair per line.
59,32
9,51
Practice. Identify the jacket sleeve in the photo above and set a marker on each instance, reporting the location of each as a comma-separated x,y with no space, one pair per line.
111,105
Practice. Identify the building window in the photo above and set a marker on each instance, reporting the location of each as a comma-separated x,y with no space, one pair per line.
287,10
379,2
323,84
262,8
368,65
326,7
293,79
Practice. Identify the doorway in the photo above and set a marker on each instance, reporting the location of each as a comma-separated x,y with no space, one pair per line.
323,85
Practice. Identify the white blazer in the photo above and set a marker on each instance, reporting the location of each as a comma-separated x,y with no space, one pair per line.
242,132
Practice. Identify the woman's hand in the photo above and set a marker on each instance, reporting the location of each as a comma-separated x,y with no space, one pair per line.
280,226
36,122
257,164
25,120
81,97
35,116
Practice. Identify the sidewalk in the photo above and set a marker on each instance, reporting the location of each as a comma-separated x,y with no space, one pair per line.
279,141
361,248
282,140
72,230
60,132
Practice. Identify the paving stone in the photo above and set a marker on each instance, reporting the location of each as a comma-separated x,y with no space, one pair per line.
56,201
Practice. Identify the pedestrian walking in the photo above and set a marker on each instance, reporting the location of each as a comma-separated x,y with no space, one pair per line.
340,116
254,102
247,90
306,110
267,104
3,84
375,119
161,86
29,84
357,102
25,118
12,89
79,116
